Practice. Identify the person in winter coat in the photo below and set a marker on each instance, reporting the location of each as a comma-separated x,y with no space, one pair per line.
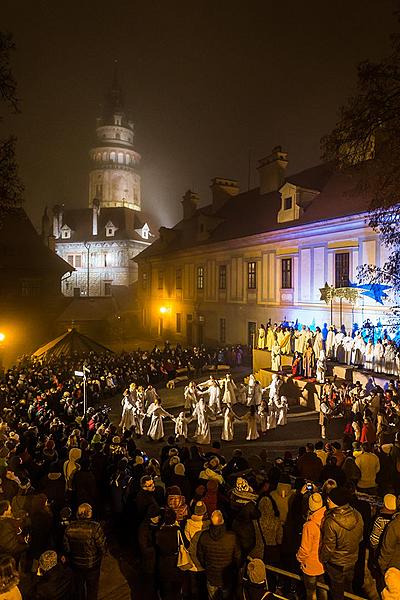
177,502
309,465
53,580
70,467
145,497
243,526
167,545
368,463
255,585
9,579
342,533
86,486
12,542
282,496
210,498
42,524
53,485
85,545
389,555
307,555
392,581
218,552
194,527
147,547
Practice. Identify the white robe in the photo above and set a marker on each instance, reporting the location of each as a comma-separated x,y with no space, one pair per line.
282,411
261,339
229,396
369,356
181,426
358,351
203,414
321,369
271,419
318,343
252,433
263,416
339,348
276,357
379,353
214,401
139,416
227,427
330,344
127,417
157,414
348,344
390,359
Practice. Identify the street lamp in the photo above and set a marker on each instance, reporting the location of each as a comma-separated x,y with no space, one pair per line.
163,310
2,336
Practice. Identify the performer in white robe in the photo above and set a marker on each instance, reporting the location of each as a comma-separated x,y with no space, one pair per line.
191,395
261,337
150,395
251,419
301,340
203,415
379,353
181,425
229,390
157,414
272,414
214,398
348,344
127,417
263,415
318,343
139,415
274,388
369,355
282,407
270,337
276,357
227,427
358,350
330,343
390,358
254,392
321,367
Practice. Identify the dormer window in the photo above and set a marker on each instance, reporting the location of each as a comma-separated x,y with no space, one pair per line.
110,229
145,231
288,203
65,232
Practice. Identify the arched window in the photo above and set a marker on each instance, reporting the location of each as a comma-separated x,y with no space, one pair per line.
128,159
120,158
112,156
105,156
117,136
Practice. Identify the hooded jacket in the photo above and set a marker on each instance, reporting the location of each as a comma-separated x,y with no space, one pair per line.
70,466
392,589
193,529
342,533
310,541
390,549
218,553
282,496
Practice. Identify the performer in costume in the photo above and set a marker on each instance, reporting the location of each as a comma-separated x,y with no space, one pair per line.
358,350
297,368
318,344
157,414
330,343
321,367
203,414
229,387
227,427
379,353
308,361
282,407
181,425
390,358
191,395
270,337
339,349
369,355
348,344
263,415
285,342
261,337
276,356
251,419
127,417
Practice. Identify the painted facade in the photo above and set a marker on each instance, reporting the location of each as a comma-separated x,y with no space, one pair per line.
263,254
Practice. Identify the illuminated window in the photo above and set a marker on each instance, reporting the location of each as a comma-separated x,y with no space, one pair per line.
120,158
286,268
178,323
160,280
287,204
252,275
200,278
178,279
127,159
342,269
222,277
112,156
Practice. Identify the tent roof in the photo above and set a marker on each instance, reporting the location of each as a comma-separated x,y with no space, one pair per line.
70,342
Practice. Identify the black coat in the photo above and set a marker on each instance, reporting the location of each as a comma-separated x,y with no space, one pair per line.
342,532
243,526
84,543
11,540
167,553
146,541
143,501
57,584
218,552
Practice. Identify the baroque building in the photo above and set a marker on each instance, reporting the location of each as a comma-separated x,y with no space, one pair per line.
100,241
262,254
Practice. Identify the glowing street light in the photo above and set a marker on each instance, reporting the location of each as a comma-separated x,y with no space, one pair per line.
163,310
2,336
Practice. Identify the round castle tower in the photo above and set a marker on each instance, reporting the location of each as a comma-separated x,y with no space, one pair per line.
113,179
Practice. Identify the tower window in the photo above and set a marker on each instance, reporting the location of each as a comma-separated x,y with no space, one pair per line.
117,136
222,277
112,156
286,273
120,158
288,203
200,278
251,275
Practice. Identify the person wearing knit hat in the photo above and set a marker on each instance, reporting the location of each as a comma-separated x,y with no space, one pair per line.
342,533
47,560
386,514
307,555
194,526
212,470
255,581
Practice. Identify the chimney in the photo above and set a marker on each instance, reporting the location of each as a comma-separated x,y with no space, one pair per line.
272,170
45,225
51,242
222,190
189,204
96,212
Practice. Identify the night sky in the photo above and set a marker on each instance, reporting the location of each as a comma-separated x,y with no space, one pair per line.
205,82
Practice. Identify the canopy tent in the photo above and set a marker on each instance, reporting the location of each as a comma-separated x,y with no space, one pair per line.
70,342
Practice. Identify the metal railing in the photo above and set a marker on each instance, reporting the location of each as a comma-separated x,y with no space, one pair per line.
296,577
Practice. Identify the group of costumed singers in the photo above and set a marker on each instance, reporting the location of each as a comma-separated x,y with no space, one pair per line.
311,350
205,402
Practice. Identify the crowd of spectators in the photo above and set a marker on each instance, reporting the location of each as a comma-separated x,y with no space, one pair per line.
199,522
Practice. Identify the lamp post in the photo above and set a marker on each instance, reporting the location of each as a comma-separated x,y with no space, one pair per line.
87,246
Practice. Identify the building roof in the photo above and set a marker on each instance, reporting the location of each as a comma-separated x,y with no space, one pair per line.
89,309
69,343
126,220
22,248
251,213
